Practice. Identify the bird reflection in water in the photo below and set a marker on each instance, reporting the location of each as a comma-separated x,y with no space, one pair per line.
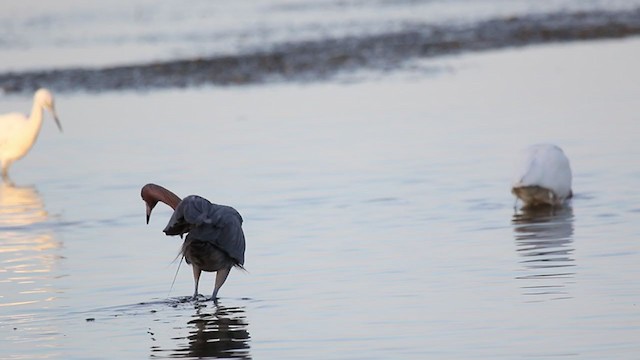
544,238
221,334
27,254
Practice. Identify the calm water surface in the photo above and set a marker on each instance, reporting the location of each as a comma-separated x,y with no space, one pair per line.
377,214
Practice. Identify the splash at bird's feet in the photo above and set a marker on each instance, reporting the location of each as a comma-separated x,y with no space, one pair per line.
201,298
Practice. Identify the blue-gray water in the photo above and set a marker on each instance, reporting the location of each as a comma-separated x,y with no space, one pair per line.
377,213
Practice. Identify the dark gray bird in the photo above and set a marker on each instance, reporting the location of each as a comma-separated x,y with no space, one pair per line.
215,240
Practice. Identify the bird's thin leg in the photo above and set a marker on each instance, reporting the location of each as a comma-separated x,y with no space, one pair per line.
221,277
5,170
196,279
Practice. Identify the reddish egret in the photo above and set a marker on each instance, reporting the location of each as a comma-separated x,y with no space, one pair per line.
215,241
18,133
543,176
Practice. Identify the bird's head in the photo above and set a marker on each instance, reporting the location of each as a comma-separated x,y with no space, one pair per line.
150,199
152,193
44,98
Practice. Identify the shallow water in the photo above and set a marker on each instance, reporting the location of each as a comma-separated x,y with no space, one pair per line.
377,213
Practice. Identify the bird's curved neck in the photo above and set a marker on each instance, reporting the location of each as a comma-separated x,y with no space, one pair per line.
170,199
35,118
165,196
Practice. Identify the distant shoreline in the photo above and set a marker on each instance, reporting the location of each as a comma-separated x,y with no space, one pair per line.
322,59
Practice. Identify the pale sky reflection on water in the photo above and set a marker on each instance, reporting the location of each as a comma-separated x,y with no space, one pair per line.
28,256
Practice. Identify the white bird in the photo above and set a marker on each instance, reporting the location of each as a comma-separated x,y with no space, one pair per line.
18,133
543,176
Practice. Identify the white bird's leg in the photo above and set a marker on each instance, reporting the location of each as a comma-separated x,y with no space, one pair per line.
196,279
5,169
221,277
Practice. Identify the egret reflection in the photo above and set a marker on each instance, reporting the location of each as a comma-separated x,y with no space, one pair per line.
27,254
221,334
544,240
20,205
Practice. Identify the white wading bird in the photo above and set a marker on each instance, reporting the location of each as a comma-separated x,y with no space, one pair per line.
543,176
18,133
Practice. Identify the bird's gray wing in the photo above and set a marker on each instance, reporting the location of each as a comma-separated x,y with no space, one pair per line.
191,211
218,224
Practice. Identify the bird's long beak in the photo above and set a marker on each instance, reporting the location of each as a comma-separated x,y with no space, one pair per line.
55,117
148,212
52,109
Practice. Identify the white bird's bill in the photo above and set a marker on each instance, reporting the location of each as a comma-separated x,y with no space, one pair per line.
55,117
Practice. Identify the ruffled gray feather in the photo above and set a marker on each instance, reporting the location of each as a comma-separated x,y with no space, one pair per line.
219,225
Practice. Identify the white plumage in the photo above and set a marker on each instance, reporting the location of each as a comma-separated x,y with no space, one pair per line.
542,176
18,133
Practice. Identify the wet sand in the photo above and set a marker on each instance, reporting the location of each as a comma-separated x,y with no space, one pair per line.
320,60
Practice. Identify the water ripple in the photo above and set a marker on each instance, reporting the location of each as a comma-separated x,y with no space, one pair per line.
544,239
